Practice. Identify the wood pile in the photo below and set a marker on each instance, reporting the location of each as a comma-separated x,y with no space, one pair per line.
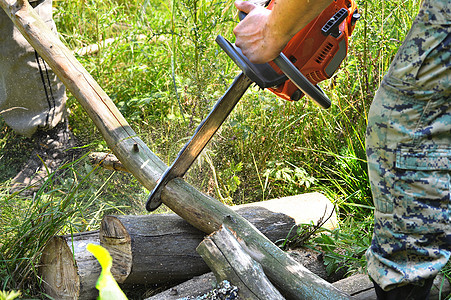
146,249
165,249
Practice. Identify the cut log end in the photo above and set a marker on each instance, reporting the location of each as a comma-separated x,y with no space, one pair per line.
67,269
58,270
115,235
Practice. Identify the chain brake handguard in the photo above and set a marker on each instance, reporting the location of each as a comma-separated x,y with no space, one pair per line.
262,74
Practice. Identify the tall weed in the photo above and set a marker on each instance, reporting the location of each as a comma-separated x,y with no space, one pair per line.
67,202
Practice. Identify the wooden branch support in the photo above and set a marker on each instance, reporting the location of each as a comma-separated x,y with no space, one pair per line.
106,160
94,48
161,248
229,261
67,269
200,210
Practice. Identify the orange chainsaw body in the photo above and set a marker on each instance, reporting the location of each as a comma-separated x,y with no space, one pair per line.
317,50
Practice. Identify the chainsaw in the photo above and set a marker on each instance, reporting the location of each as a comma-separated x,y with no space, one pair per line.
311,56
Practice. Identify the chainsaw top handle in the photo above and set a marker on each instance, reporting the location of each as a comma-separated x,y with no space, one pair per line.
311,56
289,70
266,77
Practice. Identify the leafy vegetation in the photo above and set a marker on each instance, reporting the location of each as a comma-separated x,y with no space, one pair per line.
164,72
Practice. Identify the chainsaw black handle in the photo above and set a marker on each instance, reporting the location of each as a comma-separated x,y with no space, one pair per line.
298,79
241,15
301,82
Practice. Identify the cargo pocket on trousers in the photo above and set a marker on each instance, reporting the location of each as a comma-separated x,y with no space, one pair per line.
422,189
421,59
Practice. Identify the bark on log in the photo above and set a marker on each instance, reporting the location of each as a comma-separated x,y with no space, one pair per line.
195,287
202,211
67,269
228,261
162,248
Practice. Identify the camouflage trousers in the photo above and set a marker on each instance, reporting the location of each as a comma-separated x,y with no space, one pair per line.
31,96
409,155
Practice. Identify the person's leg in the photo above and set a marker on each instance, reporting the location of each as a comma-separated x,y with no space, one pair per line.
32,100
31,96
410,181
409,161
406,292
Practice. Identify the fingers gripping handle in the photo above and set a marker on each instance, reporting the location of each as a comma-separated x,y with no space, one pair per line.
301,82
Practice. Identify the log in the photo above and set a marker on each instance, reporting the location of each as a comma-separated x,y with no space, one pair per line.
304,208
67,269
161,248
200,210
194,288
201,285
358,286
228,261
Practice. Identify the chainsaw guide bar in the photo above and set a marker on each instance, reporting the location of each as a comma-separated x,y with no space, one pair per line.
311,56
203,134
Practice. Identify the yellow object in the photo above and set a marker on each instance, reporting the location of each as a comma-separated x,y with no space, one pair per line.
107,286
9,295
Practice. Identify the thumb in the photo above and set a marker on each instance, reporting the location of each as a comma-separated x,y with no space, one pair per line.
244,6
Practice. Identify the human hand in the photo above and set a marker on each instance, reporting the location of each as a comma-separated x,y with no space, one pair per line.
256,36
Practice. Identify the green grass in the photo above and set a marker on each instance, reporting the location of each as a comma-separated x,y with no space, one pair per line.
164,85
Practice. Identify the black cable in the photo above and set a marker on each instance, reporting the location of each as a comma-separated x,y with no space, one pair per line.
47,87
